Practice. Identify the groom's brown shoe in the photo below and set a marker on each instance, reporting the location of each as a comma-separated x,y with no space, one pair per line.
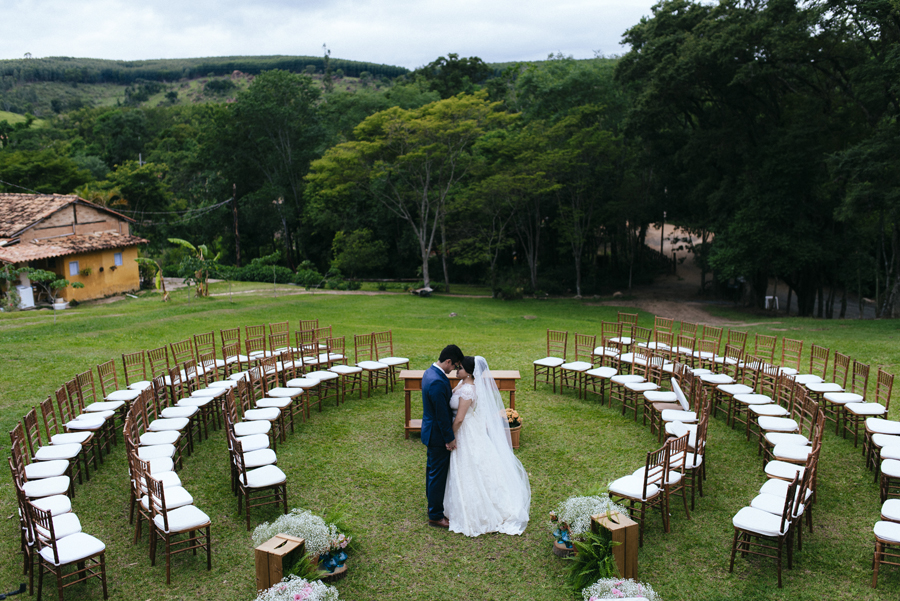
441,523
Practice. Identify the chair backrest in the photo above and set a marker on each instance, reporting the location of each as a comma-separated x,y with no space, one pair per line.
20,449
841,369
752,372
664,342
269,369
609,330
237,454
682,389
362,347
231,355
712,333
281,327
641,334
784,391
159,398
230,335
325,332
383,341
557,341
663,324
159,361
279,342
738,339
44,532
655,469
32,431
584,346
76,401
764,346
302,337
182,351
818,360
688,329
734,358
631,318
787,513
255,332
686,343
336,345
883,387
678,448
708,350
207,371
791,350
157,499
51,425
809,411
86,388
769,379
176,385
655,372
64,404
640,364
309,324
134,367
702,427
22,501
109,383
190,377
255,389
255,347
860,380
205,343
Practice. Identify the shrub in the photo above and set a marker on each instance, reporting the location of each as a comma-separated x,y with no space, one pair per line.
510,293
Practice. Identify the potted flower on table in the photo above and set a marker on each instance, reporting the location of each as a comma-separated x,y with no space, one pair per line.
515,426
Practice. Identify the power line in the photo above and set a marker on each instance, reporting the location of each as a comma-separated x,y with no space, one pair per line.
22,187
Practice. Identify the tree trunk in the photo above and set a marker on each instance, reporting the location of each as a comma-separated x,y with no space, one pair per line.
787,309
425,279
820,293
444,257
843,314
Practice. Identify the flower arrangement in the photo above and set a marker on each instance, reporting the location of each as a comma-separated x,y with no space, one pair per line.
618,588
572,518
299,589
325,543
513,417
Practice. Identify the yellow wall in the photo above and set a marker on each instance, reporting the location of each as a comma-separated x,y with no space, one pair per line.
124,278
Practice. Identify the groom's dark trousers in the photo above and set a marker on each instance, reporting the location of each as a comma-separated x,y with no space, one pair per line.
437,432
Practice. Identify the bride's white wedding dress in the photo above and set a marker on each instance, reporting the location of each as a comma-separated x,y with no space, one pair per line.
487,487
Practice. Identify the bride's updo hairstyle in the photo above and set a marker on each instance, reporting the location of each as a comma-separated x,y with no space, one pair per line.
468,364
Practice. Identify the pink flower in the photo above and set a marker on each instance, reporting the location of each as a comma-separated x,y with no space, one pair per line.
594,598
617,592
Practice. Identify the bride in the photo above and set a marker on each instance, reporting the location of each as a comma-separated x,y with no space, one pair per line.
487,487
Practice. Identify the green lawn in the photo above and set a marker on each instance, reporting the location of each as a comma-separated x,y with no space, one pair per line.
357,454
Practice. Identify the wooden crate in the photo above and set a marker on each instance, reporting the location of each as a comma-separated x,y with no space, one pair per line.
624,531
273,555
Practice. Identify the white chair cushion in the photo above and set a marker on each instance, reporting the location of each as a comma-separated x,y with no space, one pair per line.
259,458
633,488
250,428
624,340
576,366
169,480
265,476
156,438
672,478
753,399
734,389
161,465
779,488
778,424
703,355
241,375
700,371
660,396
771,410
679,394
842,398
328,375
345,370
123,395
370,365
791,452
268,414
280,403
212,391
641,386
805,379
891,467
823,387
103,406
176,496
303,382
85,424
236,358
46,469
197,401
253,442
181,519
788,371
178,412
877,425
679,429
626,379
94,415
891,510
223,384
156,451
891,452
773,504
885,440
546,362
57,451
55,504
865,408
602,372
887,531
777,438
671,415
70,438
176,423
280,392
140,386
73,548
46,487
783,470
392,361
717,379
605,351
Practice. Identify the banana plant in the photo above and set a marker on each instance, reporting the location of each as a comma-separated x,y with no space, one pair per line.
158,278
195,268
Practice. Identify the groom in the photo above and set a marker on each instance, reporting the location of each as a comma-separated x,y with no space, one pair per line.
437,431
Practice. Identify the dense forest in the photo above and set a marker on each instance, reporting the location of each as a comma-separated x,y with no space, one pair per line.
767,129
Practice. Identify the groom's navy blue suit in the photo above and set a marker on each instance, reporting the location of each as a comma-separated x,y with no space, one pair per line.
437,432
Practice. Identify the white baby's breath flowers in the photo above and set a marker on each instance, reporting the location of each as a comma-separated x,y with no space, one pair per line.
294,588
577,511
301,523
619,588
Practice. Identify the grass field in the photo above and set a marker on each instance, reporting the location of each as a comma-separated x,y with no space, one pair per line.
356,453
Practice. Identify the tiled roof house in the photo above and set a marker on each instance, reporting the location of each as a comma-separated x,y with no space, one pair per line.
76,239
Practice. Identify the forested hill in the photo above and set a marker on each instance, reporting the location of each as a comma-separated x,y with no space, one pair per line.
92,70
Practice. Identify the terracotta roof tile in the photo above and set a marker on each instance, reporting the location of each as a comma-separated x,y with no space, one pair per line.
18,211
69,245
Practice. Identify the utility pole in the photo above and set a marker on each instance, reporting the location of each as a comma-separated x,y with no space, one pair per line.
237,236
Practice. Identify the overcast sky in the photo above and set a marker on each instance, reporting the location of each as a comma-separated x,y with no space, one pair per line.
396,32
